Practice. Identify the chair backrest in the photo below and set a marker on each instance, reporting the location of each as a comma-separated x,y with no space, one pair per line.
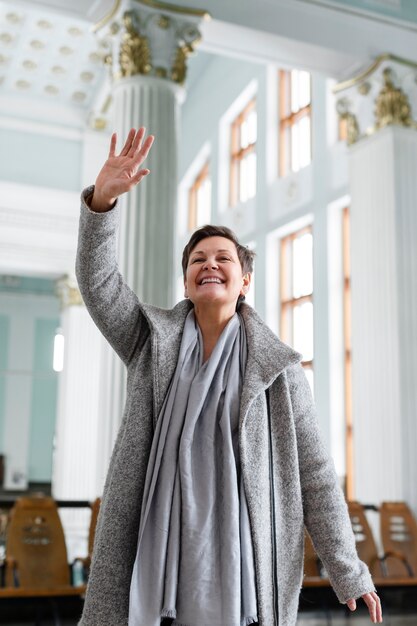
399,534
95,509
36,544
365,543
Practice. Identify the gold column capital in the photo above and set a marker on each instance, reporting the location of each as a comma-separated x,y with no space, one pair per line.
383,94
152,38
67,291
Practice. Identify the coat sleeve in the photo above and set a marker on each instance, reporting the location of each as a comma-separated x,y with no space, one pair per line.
113,306
326,515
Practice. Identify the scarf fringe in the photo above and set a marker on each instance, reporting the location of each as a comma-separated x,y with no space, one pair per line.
173,613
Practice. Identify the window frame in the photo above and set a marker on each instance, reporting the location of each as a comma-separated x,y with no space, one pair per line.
287,121
237,154
347,349
202,175
287,301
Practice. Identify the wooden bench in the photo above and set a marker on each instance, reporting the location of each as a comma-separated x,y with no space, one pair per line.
396,567
36,561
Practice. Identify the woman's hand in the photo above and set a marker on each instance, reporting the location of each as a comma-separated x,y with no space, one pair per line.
121,172
373,603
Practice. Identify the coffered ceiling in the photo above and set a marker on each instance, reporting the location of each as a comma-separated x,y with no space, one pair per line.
50,61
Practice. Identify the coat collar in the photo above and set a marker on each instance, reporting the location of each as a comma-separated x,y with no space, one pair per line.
267,355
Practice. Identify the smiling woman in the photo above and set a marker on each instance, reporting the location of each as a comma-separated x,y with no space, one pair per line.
218,464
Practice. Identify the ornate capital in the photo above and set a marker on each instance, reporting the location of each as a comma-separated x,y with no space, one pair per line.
151,38
68,292
384,94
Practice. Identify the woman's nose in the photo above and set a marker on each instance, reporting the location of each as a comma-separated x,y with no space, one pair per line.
210,264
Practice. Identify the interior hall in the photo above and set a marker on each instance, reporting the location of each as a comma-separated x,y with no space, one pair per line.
294,124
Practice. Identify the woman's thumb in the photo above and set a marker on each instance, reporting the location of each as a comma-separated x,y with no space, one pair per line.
351,604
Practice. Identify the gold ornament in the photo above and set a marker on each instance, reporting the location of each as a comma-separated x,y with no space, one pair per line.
392,104
134,56
67,291
352,126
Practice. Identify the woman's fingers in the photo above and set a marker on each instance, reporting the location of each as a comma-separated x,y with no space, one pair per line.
137,141
113,141
128,142
138,177
141,155
373,603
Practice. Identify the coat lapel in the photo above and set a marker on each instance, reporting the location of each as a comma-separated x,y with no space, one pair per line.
267,357
166,326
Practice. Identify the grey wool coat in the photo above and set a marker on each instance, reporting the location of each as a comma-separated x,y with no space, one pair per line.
288,476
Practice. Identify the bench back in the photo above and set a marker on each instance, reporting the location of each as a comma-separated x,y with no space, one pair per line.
365,542
36,545
399,535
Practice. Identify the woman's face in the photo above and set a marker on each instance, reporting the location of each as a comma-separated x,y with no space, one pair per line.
214,274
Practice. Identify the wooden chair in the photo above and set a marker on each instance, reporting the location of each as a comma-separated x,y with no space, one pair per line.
365,542
399,538
36,555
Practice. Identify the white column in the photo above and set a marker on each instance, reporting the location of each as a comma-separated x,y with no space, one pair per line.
147,54
383,182
76,450
146,238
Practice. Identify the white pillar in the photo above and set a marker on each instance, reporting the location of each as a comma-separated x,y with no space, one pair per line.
383,182
148,50
76,450
146,238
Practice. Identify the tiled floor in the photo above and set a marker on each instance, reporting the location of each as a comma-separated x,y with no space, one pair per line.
352,620
311,620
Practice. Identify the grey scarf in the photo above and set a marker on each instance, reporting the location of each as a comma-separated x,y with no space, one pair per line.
194,558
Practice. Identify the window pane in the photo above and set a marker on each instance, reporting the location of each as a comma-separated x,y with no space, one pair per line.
295,91
204,203
251,174
303,330
310,377
286,151
243,173
295,148
302,267
244,134
252,124
304,139
304,89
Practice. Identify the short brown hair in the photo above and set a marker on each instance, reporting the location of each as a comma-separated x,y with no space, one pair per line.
244,254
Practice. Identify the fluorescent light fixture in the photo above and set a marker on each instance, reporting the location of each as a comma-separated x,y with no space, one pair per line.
59,343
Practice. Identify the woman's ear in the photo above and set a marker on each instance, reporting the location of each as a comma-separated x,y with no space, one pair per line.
185,289
246,279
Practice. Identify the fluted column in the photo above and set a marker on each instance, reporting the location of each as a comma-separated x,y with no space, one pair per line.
76,449
146,49
378,108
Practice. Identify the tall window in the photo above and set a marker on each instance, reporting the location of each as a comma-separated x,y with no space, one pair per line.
297,295
347,332
199,199
295,120
243,155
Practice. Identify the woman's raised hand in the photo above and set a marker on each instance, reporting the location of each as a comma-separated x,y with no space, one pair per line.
121,172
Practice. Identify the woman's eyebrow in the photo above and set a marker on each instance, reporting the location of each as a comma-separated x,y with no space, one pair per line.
217,251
